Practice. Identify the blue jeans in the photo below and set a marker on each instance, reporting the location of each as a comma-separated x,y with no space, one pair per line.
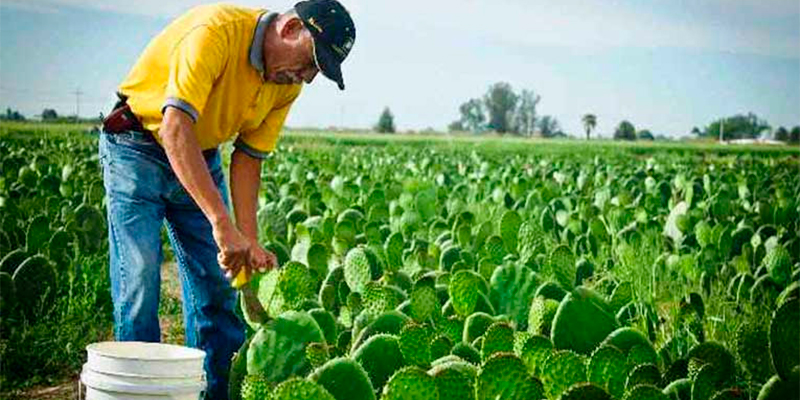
142,193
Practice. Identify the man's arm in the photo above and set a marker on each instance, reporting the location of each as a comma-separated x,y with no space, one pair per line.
186,158
245,180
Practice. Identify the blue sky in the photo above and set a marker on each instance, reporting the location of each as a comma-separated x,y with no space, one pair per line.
665,66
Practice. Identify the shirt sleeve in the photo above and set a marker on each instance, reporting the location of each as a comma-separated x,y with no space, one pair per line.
261,141
195,63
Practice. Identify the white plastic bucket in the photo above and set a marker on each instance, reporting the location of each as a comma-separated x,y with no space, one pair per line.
138,370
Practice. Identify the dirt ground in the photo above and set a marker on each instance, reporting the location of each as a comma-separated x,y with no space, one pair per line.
171,319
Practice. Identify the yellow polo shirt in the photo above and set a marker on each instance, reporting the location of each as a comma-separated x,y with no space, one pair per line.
209,63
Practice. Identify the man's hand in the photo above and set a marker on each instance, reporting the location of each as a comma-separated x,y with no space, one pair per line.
237,252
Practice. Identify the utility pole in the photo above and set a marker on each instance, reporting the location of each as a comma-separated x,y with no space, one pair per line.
722,130
77,94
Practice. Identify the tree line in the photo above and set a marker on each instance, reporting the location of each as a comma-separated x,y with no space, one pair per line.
503,111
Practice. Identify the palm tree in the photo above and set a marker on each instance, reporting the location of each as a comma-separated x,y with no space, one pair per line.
589,122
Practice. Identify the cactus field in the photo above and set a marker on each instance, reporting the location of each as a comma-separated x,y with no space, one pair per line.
462,268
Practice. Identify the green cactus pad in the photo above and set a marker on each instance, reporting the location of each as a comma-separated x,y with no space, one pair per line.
449,257
778,261
423,302
511,291
581,323
784,332
561,265
680,389
706,383
440,346
530,240
494,248
453,384
551,290
625,338
415,345
476,325
504,376
238,372
357,270
390,322
608,368
381,357
535,352
509,229
300,389
277,350
295,284
466,352
7,295
643,374
541,314
645,392
585,391
722,361
753,350
34,284
563,369
499,338
642,354
410,383
345,379
463,290
377,298
779,389
256,387
317,354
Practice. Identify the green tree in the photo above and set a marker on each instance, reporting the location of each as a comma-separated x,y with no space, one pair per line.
794,135
589,123
625,131
739,126
49,114
525,115
781,134
455,126
645,134
12,115
549,127
385,122
500,102
473,117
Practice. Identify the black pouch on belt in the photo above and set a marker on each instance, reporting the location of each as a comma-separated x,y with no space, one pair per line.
122,118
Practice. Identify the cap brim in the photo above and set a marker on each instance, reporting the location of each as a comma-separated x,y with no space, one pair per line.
327,64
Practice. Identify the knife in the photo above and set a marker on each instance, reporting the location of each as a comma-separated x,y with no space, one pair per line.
252,306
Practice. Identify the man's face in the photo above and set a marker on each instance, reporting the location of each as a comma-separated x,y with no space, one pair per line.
294,62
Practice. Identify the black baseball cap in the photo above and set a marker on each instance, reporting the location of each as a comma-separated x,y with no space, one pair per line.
334,34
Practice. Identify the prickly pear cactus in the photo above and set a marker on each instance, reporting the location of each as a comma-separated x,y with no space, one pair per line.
504,376
783,333
300,389
410,383
345,379
563,369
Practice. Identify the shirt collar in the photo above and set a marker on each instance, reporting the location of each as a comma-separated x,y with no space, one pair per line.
257,46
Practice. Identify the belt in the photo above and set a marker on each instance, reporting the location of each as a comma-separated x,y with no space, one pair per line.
123,119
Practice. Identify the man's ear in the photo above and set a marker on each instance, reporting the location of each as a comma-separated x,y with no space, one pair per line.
292,28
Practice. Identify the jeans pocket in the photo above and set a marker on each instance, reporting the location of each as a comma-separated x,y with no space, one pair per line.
133,138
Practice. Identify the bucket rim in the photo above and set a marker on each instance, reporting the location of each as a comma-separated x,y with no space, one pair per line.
181,353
